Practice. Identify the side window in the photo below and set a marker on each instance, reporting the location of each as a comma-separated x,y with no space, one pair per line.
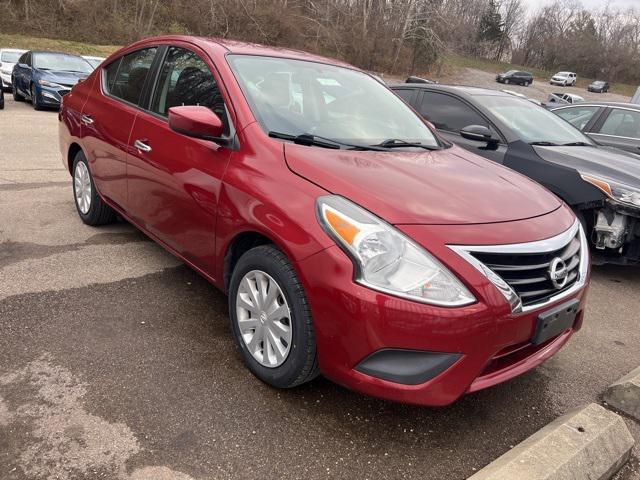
27,60
449,113
185,79
405,94
23,59
131,75
622,123
110,72
577,116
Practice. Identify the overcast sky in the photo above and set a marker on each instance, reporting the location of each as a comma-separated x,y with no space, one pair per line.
595,4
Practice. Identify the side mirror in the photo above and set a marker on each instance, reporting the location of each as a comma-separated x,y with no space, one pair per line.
478,133
197,122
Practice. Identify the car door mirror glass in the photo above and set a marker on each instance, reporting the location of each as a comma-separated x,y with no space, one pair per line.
197,122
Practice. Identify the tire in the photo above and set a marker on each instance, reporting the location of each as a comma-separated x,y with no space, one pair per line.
14,90
300,363
96,212
506,81
34,98
527,83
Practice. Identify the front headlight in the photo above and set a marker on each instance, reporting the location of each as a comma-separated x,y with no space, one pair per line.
45,83
615,190
385,259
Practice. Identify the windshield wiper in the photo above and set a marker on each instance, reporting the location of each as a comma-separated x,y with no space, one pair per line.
577,144
309,139
544,144
398,143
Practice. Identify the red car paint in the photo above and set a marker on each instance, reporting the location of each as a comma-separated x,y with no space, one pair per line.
196,198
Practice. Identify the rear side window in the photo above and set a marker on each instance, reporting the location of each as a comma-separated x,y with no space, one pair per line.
405,94
127,80
622,123
185,79
449,113
577,116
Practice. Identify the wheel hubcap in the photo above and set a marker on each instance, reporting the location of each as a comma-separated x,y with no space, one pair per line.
82,187
264,319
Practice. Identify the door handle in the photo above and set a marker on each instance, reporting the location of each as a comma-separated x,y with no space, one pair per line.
141,146
87,120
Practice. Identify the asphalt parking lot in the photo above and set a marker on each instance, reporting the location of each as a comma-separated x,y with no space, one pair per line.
116,361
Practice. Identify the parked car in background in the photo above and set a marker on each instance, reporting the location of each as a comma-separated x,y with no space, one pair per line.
613,124
515,76
602,185
564,98
45,77
598,86
564,79
520,95
378,274
94,61
8,58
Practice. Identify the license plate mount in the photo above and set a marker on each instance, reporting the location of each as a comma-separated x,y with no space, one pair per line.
555,321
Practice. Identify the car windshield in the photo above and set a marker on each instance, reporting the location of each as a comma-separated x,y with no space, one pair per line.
531,123
598,82
562,74
511,72
10,57
61,61
297,97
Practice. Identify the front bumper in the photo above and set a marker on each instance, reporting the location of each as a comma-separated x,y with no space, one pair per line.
6,79
52,96
475,347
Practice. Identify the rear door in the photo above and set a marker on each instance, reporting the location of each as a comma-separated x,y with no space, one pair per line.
174,181
583,117
108,117
619,127
451,114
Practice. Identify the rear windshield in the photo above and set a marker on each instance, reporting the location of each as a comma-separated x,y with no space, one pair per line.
61,61
10,57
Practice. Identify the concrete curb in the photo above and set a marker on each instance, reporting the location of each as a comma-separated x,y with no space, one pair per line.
588,443
625,394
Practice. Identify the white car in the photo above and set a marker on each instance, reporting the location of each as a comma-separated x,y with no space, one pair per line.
8,58
564,98
94,61
564,78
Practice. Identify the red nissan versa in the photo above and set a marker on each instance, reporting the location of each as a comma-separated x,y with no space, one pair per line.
351,239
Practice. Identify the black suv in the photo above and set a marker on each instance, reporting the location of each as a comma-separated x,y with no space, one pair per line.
515,76
601,184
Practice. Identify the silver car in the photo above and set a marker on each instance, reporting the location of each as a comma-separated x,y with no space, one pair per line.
8,58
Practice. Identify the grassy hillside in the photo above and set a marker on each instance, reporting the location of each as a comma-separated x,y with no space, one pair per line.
458,62
33,43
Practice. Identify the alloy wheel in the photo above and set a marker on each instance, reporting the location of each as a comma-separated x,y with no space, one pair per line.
82,187
264,318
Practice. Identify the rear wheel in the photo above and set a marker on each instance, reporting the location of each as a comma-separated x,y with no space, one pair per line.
271,319
91,209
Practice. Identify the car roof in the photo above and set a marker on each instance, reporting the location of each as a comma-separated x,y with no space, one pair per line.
53,52
12,50
463,90
241,48
598,103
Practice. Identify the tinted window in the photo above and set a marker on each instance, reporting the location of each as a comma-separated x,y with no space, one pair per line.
405,94
622,123
131,75
186,80
23,58
578,116
110,72
449,113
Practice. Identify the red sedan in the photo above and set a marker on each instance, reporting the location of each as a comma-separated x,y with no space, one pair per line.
352,240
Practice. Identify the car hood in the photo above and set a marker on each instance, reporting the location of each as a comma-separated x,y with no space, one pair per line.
600,161
62,77
446,187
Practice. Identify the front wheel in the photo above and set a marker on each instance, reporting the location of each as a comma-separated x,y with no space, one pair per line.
14,90
34,98
506,81
271,319
91,209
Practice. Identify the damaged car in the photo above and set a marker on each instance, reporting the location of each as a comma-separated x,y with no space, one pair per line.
601,184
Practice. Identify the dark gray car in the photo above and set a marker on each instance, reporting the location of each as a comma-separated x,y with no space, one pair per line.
612,124
601,184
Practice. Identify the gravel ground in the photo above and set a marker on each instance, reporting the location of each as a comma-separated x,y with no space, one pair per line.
116,362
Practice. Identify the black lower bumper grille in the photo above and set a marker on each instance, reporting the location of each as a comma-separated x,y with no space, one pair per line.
529,274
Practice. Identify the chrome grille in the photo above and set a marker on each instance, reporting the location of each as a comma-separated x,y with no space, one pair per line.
528,274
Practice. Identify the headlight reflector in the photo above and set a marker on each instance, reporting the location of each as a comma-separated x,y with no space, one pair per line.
615,190
46,83
385,259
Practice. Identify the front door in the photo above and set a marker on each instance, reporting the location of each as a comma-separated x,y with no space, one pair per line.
173,180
